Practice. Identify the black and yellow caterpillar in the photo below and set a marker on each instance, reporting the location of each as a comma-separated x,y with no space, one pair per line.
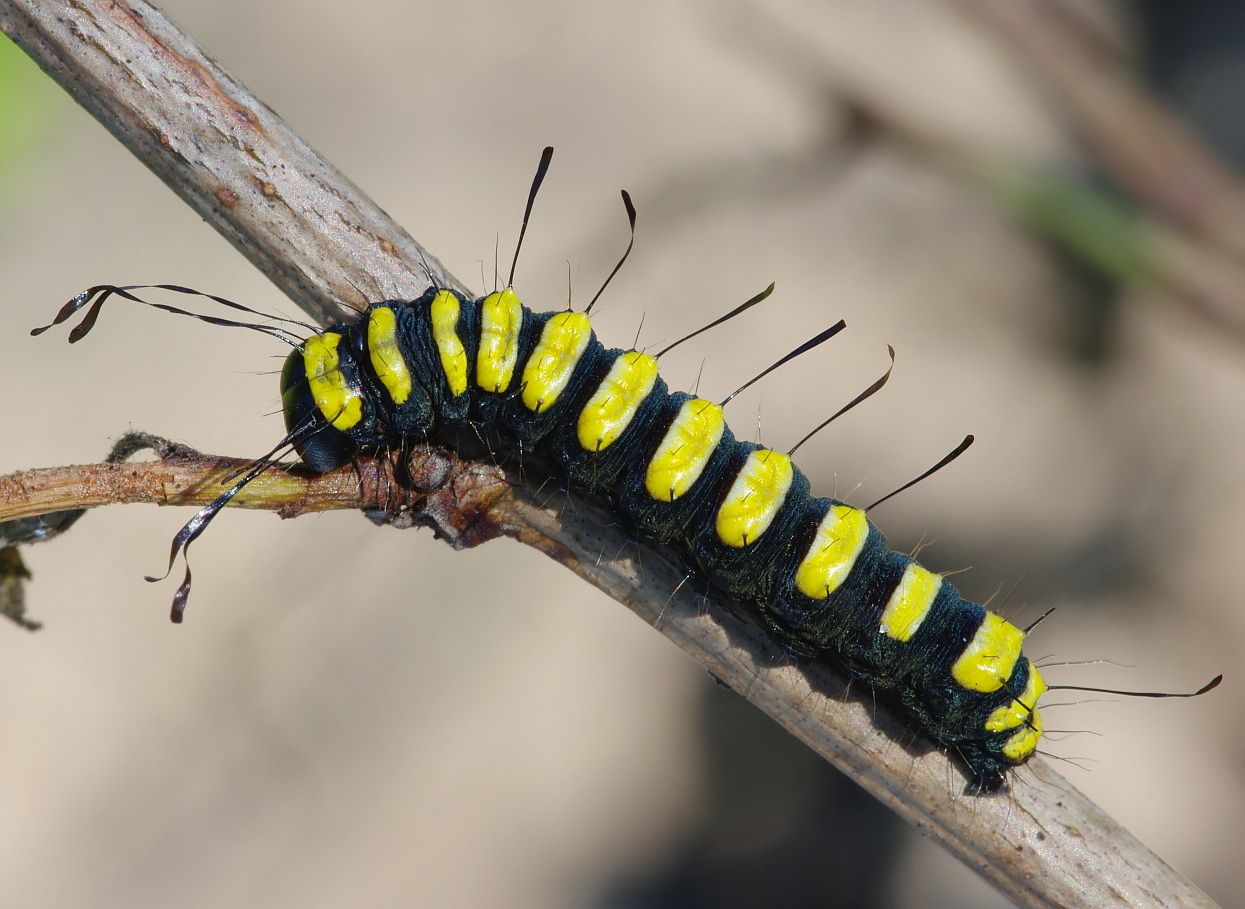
603,422
540,389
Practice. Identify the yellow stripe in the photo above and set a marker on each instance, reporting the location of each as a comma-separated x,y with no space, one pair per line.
444,313
840,538
562,343
341,405
987,663
617,400
910,603
685,450
755,498
1009,716
386,354
501,319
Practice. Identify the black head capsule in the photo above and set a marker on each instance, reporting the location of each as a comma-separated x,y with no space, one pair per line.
319,445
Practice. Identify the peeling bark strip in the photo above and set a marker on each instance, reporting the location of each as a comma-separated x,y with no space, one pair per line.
320,240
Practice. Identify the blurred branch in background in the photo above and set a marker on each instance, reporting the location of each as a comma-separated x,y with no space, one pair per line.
1146,205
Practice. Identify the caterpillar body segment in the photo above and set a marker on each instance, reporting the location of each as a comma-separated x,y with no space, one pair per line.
541,386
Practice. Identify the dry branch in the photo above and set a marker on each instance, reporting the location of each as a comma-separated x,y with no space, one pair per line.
323,243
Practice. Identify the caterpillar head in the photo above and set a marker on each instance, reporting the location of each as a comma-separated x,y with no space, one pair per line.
320,442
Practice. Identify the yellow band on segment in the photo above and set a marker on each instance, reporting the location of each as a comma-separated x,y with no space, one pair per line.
684,451
562,342
1009,716
617,400
443,314
386,354
841,536
501,318
910,603
987,663
1021,745
341,405
755,498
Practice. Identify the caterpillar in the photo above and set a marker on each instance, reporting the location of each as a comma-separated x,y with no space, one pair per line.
541,389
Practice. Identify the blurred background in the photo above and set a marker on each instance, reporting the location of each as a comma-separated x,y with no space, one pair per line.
356,715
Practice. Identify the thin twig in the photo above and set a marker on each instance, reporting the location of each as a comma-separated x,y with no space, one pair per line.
325,244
